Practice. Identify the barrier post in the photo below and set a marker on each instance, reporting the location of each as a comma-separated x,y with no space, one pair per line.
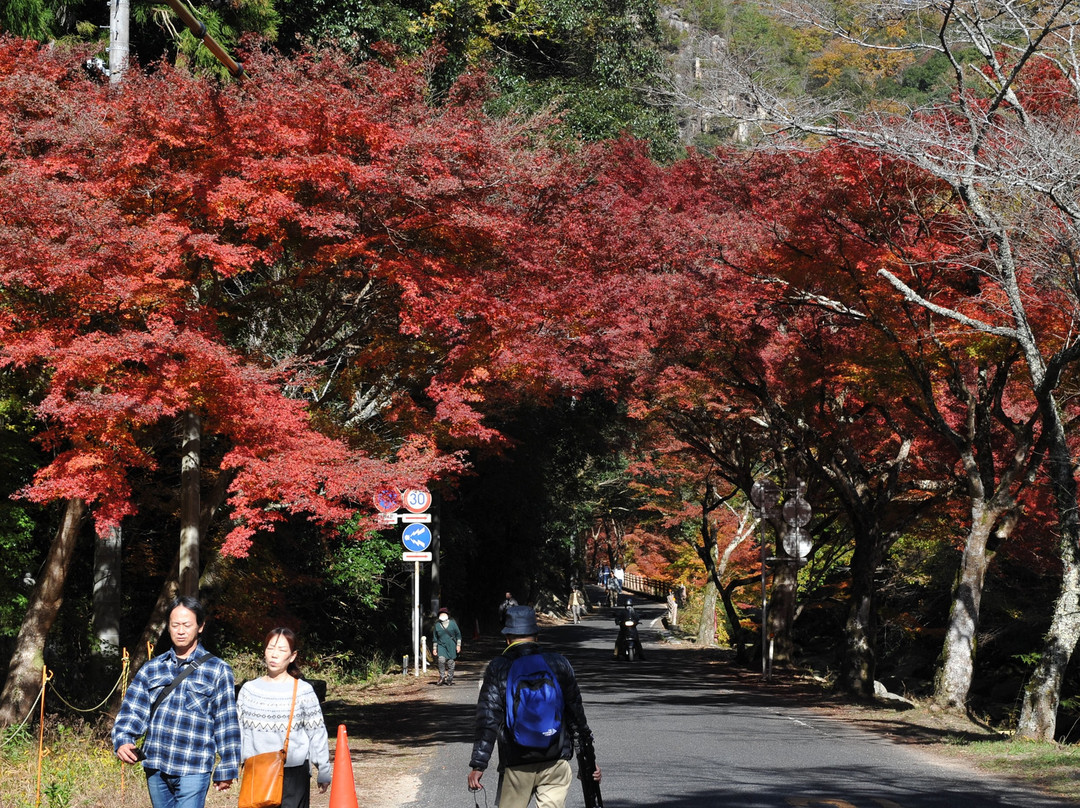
41,733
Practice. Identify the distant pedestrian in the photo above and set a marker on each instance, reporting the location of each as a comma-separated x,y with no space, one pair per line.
681,597
184,702
446,645
613,590
576,604
506,604
672,610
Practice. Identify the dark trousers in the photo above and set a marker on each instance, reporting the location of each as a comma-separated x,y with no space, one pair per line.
296,788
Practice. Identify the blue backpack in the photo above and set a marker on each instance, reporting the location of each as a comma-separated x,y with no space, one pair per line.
534,702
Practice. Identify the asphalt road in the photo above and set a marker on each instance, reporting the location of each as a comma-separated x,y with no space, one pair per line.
674,731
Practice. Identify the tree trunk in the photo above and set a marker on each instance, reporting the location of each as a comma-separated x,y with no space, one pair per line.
858,662
24,671
1042,695
106,619
953,680
189,506
716,565
785,585
706,633
733,618
159,614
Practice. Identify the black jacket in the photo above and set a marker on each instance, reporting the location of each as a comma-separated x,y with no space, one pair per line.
491,713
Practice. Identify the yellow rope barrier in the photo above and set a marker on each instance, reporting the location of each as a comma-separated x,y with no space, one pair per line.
45,677
123,678
12,733
95,707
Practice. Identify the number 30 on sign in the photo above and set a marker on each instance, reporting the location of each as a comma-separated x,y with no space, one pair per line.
417,500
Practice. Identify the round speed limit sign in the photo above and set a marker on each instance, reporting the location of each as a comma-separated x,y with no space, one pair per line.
417,500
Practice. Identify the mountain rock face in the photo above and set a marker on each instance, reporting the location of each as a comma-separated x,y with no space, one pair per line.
706,113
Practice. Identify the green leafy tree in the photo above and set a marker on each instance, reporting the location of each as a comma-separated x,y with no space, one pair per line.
18,520
31,19
356,25
156,30
587,61
590,60
51,20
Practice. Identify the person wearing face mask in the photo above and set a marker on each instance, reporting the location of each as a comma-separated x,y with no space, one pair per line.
264,705
446,645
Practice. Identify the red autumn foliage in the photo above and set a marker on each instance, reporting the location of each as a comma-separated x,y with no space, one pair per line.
321,231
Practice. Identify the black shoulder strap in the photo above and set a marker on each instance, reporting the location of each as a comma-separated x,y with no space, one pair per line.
187,671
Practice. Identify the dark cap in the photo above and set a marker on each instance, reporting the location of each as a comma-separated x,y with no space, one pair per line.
520,621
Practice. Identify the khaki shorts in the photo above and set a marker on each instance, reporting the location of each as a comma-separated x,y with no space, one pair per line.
549,781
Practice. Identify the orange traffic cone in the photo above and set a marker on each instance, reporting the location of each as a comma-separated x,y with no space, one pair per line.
343,786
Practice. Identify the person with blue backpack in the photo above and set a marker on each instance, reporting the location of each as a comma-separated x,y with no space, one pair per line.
530,707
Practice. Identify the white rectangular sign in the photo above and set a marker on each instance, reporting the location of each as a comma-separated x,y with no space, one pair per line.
414,517
416,556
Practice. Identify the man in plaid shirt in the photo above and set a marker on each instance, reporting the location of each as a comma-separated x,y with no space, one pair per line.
191,726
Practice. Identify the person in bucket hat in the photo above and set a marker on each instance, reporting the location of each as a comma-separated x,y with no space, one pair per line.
527,771
521,622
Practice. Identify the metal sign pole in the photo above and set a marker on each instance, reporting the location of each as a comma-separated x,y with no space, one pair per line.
416,538
765,494
416,617
764,614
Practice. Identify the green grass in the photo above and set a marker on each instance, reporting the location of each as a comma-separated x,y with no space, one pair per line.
79,769
1048,767
335,669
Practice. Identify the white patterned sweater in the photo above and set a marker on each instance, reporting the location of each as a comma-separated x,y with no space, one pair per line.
264,711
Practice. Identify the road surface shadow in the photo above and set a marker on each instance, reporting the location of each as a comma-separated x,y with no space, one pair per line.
678,675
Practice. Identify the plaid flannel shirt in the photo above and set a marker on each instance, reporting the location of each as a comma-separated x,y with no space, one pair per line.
191,726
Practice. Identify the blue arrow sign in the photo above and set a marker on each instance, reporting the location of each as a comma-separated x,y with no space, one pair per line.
416,537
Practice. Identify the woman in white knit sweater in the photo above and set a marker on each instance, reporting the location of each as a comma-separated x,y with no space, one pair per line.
263,705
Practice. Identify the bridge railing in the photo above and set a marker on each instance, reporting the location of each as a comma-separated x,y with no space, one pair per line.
646,586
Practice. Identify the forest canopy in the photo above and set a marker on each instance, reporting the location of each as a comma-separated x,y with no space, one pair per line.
459,248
